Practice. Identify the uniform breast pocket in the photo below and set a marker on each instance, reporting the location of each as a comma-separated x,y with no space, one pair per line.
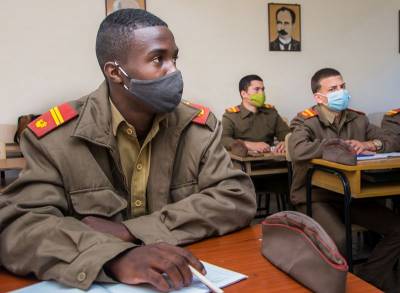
101,202
181,191
242,129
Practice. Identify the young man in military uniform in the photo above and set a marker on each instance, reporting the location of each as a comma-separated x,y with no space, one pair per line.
117,179
254,122
391,123
311,130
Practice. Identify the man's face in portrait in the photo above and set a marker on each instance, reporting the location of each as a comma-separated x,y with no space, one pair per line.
284,24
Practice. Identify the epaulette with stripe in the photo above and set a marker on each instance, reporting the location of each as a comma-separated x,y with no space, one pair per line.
52,119
234,109
393,112
308,113
268,106
202,116
356,111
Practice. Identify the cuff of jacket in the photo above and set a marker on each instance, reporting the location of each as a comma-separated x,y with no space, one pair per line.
150,229
88,266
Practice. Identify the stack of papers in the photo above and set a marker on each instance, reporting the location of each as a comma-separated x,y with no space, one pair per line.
219,276
378,156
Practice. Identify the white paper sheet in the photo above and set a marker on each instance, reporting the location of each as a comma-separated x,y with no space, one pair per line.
219,276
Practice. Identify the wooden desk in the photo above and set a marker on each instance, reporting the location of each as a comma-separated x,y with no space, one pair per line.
353,174
346,180
240,252
10,164
13,150
245,163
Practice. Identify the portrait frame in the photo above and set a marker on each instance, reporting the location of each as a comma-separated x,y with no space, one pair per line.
112,5
294,29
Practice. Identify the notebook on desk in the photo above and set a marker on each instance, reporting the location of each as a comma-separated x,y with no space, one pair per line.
219,276
363,157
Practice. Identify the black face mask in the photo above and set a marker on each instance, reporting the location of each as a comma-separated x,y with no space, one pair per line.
282,32
161,94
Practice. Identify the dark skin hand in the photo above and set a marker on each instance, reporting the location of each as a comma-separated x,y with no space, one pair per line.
146,264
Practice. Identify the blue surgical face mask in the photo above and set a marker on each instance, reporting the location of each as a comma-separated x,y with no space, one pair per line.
338,100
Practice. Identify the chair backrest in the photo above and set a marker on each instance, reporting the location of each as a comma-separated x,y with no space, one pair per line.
376,118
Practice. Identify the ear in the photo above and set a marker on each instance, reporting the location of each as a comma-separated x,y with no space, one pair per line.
112,73
243,94
320,99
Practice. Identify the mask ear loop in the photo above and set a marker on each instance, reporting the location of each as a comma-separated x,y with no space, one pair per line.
123,72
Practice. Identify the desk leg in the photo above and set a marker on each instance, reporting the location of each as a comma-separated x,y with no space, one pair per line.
310,174
3,178
347,222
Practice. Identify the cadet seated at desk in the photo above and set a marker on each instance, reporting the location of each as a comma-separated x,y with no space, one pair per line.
253,121
331,118
391,123
116,179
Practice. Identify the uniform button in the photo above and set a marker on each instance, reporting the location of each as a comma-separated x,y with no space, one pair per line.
81,277
129,131
139,166
138,203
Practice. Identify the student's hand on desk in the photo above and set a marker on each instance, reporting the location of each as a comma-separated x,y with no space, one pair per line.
106,226
146,264
280,148
361,147
260,147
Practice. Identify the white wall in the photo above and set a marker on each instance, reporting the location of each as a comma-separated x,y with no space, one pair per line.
47,51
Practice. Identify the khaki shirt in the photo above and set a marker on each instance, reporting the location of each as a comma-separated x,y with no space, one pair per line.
261,126
311,132
135,158
193,192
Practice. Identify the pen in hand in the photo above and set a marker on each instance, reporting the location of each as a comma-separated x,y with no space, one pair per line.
205,281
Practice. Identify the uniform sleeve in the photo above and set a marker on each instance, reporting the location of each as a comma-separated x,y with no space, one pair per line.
37,236
391,124
303,145
228,130
390,142
281,129
224,202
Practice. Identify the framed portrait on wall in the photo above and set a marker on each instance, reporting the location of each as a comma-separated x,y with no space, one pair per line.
113,5
284,27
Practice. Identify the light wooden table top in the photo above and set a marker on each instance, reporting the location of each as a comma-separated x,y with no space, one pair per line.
387,163
12,164
239,251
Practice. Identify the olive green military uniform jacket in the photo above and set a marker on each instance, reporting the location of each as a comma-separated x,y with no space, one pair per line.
263,126
311,131
391,122
74,171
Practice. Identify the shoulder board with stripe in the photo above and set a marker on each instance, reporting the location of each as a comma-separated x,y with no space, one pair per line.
356,111
268,106
52,119
393,112
308,113
202,116
234,109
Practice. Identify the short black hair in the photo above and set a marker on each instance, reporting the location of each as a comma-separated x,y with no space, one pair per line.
284,8
321,74
115,33
245,82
